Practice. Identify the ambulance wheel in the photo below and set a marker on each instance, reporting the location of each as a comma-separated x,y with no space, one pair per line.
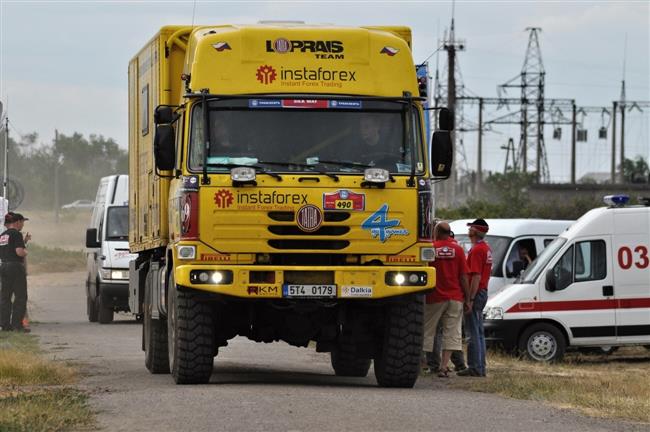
154,335
398,362
542,342
104,313
345,361
91,309
190,331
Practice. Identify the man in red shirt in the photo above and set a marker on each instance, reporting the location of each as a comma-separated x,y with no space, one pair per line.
445,303
479,263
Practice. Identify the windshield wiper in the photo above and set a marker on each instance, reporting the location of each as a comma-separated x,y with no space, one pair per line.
256,167
302,165
347,164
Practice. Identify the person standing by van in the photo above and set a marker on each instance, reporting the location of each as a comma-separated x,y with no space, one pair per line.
479,263
13,250
445,304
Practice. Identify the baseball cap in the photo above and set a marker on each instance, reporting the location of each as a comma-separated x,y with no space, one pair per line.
479,225
12,217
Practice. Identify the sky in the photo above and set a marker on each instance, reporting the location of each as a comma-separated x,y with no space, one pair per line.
63,64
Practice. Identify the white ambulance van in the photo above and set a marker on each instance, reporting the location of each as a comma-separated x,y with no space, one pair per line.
107,254
589,288
508,239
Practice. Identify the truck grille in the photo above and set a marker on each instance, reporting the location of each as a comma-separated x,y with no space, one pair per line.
327,230
309,244
289,216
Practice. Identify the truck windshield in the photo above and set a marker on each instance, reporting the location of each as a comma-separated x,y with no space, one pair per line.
535,268
117,223
498,245
288,135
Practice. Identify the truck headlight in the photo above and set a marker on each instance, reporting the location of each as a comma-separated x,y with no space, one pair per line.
186,252
493,313
427,254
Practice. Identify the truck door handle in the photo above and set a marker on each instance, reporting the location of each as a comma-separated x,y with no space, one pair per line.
608,290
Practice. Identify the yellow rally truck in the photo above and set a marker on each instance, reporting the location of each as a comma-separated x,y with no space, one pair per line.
280,189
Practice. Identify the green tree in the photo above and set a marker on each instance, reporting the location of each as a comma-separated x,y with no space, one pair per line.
636,171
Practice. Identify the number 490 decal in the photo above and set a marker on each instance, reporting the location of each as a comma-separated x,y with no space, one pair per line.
639,258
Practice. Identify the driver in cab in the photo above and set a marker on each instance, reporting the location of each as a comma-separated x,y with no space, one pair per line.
373,146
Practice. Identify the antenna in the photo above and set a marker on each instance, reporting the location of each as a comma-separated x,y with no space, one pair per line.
193,11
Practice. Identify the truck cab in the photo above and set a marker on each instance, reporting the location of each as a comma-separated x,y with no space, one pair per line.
107,251
589,288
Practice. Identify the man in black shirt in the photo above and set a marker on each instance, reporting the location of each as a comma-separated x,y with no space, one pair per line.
13,251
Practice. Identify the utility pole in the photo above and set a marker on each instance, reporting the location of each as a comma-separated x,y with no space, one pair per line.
4,175
56,176
452,46
622,138
479,168
613,173
573,143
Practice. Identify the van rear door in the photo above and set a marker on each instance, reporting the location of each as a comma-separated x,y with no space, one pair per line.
631,250
583,299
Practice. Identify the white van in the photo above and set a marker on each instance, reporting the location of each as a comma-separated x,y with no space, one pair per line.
589,288
107,256
508,238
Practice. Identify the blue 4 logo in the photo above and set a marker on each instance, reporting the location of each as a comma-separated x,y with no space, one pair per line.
380,226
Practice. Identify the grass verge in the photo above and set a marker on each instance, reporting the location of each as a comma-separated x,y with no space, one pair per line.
615,386
50,260
34,392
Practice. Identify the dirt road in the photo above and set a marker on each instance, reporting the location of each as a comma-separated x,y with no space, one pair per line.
260,387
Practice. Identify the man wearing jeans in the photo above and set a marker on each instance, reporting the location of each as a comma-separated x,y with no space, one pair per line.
479,263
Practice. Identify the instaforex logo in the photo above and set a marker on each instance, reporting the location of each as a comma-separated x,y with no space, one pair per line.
328,49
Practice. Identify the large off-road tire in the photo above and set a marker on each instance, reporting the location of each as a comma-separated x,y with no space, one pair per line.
104,313
91,309
398,363
190,331
542,342
154,336
345,361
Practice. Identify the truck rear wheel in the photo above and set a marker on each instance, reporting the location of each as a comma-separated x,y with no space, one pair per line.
191,336
345,361
398,364
154,334
104,313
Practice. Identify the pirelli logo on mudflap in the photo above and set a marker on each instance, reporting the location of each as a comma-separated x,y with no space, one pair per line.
322,49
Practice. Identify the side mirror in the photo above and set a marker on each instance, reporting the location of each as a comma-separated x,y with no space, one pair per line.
441,155
550,281
163,115
163,147
91,238
445,120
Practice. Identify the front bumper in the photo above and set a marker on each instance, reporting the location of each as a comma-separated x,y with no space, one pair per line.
345,278
503,333
115,294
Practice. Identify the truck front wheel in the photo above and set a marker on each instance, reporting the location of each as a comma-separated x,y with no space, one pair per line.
91,307
191,336
154,334
398,363
104,313
345,360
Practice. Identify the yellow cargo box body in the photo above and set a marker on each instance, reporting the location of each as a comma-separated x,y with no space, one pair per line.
306,224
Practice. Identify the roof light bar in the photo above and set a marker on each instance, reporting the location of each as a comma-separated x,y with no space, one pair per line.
616,200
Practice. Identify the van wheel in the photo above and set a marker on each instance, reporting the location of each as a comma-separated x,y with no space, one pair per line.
91,309
190,331
345,361
398,363
104,313
542,342
154,335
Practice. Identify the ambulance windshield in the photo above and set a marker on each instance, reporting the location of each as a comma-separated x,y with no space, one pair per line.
289,135
536,267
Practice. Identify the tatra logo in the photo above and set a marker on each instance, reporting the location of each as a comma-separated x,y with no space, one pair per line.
330,49
266,74
223,198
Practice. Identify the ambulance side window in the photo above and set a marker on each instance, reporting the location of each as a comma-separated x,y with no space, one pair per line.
563,270
590,261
